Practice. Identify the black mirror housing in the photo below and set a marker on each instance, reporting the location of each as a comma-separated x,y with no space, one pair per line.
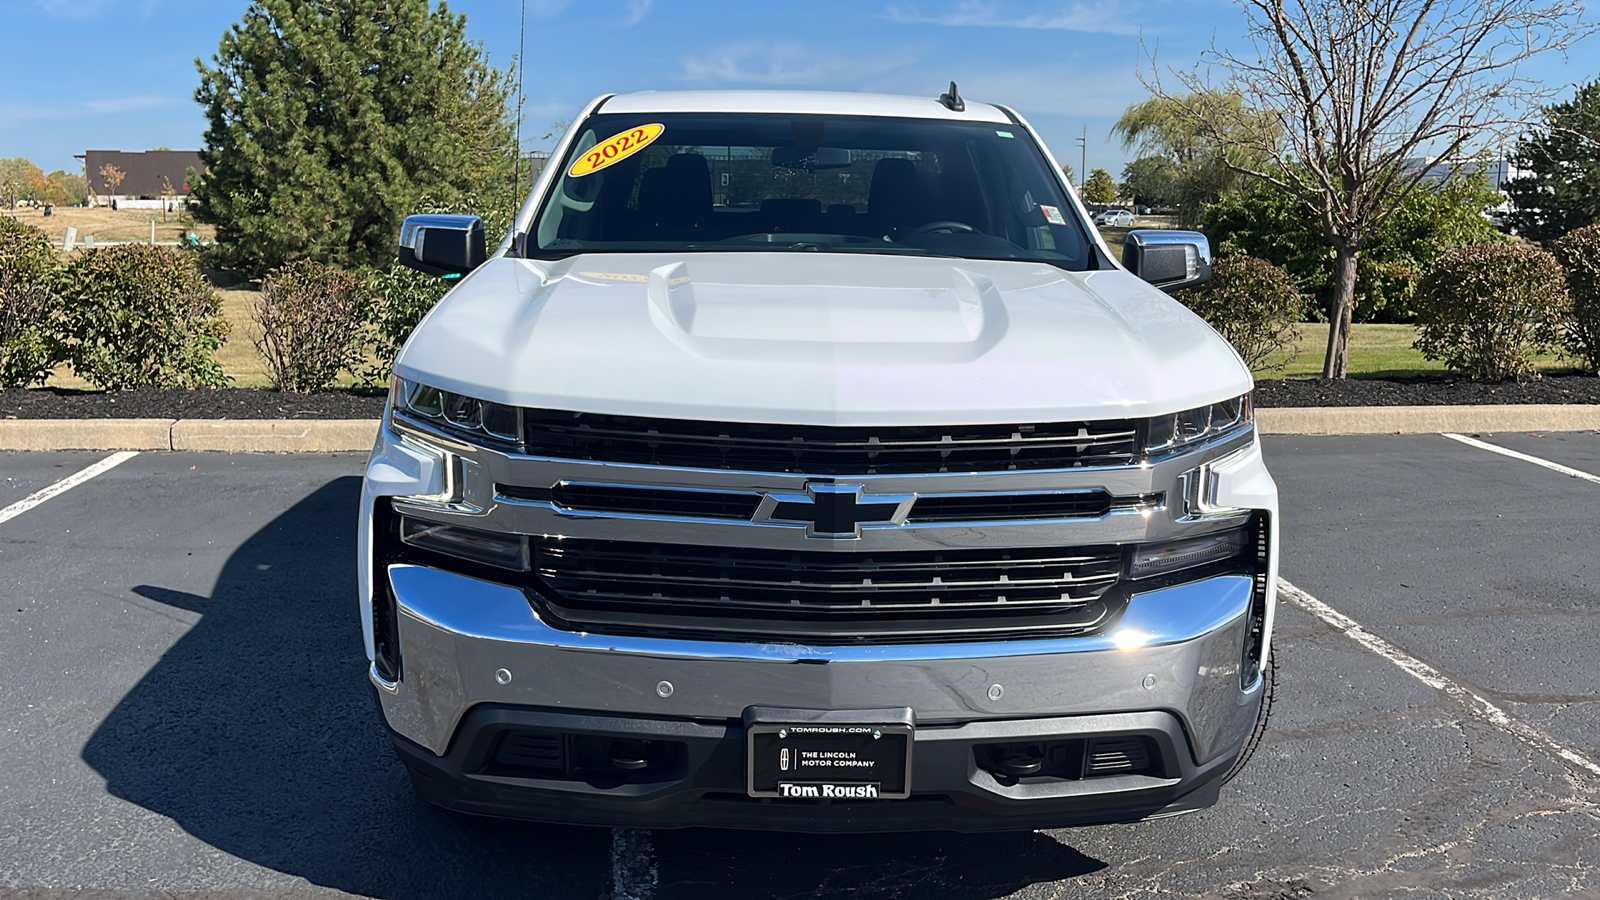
442,245
1170,260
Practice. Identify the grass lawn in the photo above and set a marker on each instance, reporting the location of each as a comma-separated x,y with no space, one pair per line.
238,356
105,225
1376,351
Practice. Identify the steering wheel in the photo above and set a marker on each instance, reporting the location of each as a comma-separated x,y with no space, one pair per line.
949,225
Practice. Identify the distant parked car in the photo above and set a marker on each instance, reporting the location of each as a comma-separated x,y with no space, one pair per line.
1116,218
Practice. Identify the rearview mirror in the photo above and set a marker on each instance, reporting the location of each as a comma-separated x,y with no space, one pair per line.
446,246
1168,259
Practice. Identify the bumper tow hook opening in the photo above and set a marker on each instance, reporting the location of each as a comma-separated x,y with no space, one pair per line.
1018,760
631,755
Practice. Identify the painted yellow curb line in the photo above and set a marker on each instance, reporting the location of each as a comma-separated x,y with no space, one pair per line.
357,435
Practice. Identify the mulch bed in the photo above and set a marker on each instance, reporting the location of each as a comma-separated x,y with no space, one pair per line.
232,403
243,403
1436,391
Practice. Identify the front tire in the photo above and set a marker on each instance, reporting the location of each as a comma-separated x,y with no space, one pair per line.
1269,690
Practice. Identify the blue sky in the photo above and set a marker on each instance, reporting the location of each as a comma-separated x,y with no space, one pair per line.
120,75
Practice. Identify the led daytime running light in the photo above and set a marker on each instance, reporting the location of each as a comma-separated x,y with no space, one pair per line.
458,412
1193,426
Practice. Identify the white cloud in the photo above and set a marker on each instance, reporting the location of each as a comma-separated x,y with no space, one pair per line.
108,106
1058,90
80,10
127,104
637,10
774,63
1101,18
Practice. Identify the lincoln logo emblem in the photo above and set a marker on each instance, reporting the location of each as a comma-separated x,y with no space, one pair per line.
833,511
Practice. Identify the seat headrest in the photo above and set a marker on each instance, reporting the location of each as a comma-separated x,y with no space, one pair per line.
680,191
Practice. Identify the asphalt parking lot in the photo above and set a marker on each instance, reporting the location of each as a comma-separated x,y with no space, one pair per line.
184,709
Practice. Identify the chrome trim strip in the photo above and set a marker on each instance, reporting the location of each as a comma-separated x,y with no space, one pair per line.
550,520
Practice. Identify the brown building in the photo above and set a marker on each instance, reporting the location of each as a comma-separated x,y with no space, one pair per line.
147,174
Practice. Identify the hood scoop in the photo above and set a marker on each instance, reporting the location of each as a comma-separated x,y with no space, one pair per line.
960,319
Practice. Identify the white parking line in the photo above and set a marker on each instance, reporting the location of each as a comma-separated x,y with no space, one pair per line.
1552,466
65,484
1433,678
633,865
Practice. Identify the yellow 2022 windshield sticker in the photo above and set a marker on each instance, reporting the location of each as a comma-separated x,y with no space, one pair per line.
615,149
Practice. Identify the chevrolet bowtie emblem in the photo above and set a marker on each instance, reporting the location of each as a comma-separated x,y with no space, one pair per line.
833,511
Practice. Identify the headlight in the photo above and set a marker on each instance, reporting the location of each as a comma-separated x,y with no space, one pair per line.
1197,425
1171,556
458,412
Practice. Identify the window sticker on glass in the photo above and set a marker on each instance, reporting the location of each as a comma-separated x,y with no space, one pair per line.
615,149
1052,214
1006,134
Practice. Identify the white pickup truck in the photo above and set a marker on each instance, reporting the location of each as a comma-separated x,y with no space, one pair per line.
807,461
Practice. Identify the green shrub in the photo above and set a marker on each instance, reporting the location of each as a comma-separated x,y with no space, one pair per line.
143,316
313,318
30,305
1253,303
406,295
1579,255
1485,310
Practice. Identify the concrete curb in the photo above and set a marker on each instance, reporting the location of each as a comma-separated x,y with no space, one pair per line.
275,436
357,435
86,434
224,435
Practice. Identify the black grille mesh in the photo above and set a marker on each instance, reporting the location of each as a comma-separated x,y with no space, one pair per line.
1260,525
837,597
829,450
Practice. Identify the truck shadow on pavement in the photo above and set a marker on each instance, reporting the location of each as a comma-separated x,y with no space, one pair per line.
257,732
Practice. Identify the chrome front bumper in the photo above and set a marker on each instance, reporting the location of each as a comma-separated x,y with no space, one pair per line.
465,642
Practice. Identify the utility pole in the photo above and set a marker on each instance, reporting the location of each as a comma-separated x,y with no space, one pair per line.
1083,161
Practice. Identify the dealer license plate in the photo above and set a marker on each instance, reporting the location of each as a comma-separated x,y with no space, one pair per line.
826,760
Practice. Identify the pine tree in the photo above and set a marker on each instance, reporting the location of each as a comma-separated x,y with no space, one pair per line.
331,120
1558,190
1101,190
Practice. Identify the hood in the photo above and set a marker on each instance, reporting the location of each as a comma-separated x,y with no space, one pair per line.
820,339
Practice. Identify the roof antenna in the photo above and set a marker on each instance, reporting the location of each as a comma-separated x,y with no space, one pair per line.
952,100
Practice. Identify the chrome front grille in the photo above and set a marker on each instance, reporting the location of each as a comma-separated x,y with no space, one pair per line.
815,535
830,450
824,597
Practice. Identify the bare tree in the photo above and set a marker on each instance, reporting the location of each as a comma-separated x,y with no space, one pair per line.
1360,89
113,178
167,193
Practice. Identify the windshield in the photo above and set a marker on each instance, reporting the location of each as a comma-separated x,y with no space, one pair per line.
721,181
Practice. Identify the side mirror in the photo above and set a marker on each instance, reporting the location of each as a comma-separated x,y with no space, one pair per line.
446,246
1168,259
